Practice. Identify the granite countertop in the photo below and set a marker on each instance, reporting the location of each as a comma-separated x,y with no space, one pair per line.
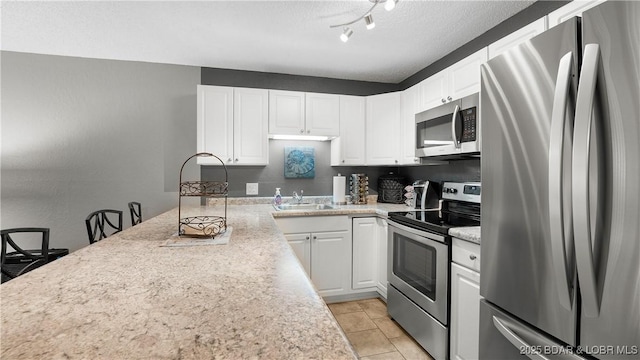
469,233
127,297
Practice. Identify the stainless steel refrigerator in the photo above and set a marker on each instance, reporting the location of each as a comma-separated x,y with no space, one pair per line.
560,123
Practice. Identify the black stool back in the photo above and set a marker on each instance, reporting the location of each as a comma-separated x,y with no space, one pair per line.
20,261
136,213
103,223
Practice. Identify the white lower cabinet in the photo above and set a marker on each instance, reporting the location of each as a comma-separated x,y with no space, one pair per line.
370,255
465,301
323,246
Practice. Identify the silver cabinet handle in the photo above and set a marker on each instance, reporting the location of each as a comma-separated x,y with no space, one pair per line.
307,238
396,161
315,237
236,160
308,131
472,257
343,161
449,98
229,160
557,221
580,179
301,131
444,101
454,136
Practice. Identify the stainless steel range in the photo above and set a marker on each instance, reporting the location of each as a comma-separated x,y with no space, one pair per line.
419,258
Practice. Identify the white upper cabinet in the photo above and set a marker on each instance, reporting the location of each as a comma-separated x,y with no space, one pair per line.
517,37
322,114
574,8
410,99
456,81
464,76
349,147
232,124
299,113
433,90
383,127
250,126
286,112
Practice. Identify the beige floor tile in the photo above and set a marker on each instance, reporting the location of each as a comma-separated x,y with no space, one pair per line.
375,308
345,307
409,348
390,328
356,321
370,342
386,356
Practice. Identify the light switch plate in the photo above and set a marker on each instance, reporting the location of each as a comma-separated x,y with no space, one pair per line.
252,188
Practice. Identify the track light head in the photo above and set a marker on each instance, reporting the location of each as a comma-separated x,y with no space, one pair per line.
346,34
368,20
390,4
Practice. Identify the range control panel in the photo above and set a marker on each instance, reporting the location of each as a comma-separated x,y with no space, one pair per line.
468,191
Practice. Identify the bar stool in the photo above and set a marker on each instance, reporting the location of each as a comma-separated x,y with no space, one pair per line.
103,223
20,261
136,213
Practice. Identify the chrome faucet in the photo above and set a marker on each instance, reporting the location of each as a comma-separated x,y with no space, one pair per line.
298,198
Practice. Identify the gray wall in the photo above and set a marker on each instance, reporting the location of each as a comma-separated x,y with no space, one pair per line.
80,135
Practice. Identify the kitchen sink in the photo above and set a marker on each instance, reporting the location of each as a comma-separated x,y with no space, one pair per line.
303,206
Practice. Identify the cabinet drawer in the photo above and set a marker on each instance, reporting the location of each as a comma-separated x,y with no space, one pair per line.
466,254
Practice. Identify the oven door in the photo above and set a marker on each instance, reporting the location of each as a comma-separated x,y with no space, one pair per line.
419,268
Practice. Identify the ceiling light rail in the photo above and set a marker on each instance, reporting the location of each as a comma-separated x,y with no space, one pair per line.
367,17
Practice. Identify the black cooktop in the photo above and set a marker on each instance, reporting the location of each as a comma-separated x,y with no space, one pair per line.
433,220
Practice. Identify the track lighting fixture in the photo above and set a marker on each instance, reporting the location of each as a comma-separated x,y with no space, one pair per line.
367,17
346,34
390,4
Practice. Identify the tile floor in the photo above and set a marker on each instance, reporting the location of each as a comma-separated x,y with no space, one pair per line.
373,334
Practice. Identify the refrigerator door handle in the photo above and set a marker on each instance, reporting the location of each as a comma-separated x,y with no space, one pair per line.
516,340
454,127
558,222
580,180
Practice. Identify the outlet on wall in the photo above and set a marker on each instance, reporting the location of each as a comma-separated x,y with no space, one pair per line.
252,188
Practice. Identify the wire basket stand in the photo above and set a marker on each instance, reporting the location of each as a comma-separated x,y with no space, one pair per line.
205,226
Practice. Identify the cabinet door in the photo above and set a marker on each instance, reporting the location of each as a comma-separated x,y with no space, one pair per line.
433,90
301,245
331,262
464,76
410,98
251,138
383,270
383,129
517,37
365,253
215,123
574,8
322,114
465,312
349,148
286,112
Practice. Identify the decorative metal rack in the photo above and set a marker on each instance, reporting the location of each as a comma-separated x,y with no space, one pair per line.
203,225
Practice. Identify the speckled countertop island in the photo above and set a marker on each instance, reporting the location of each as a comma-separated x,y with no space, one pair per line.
126,297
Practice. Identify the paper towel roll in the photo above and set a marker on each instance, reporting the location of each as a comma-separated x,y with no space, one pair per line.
339,190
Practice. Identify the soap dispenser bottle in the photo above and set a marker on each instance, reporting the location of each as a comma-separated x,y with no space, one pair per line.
277,199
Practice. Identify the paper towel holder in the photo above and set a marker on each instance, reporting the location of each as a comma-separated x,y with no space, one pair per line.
339,190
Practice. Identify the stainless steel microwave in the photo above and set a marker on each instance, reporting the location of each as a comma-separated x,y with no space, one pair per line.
450,129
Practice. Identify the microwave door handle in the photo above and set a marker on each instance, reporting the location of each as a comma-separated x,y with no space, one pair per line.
454,126
580,183
558,220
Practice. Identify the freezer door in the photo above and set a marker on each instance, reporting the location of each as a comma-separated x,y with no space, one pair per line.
607,181
520,272
503,337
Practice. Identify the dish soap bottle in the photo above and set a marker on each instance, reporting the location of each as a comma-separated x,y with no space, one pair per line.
277,199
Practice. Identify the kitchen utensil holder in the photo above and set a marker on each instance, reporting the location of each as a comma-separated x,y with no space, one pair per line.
202,225
359,188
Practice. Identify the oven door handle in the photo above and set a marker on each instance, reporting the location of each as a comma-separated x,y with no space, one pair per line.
416,232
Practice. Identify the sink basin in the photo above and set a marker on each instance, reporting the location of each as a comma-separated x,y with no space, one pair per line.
303,206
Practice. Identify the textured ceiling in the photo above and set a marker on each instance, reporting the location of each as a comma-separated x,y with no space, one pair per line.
291,37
